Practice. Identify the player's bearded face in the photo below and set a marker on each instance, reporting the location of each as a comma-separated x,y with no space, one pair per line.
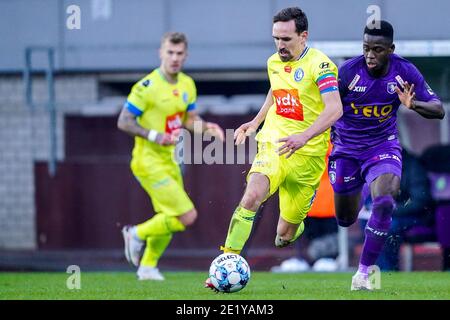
289,43
173,56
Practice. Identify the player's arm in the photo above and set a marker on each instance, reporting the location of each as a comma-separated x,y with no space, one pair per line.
196,124
432,109
127,122
331,113
248,128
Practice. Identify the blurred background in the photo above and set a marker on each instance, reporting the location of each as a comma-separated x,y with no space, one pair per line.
65,185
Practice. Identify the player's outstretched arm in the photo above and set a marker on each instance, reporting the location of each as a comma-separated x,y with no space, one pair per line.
196,124
248,128
127,123
331,113
428,109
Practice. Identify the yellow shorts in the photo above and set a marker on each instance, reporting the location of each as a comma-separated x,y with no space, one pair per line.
164,185
297,179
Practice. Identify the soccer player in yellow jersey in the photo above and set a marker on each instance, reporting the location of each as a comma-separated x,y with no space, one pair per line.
157,107
301,105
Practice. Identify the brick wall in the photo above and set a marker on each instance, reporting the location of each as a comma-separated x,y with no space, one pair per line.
24,139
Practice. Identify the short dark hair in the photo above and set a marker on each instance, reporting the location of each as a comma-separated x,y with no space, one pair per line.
386,30
175,38
293,13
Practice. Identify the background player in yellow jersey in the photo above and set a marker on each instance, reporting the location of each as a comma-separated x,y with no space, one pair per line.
157,107
301,105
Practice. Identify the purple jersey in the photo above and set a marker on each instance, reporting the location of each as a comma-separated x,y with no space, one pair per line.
371,104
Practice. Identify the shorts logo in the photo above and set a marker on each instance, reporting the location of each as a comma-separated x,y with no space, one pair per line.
332,175
288,104
348,179
174,122
391,87
298,75
385,156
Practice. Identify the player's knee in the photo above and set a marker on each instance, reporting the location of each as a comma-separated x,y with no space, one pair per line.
251,200
384,204
189,218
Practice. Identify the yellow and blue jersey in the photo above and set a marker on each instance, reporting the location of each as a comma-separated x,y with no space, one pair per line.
297,87
161,106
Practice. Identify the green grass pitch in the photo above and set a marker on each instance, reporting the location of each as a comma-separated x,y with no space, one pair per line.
189,286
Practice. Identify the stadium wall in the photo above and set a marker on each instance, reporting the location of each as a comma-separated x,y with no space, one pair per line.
24,139
125,35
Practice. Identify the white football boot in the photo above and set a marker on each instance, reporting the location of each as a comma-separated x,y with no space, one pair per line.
149,273
133,246
361,281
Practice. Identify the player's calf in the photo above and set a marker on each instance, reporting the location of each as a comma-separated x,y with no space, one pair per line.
288,233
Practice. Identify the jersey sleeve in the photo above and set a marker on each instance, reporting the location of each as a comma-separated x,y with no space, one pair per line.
139,99
421,87
325,74
192,97
342,81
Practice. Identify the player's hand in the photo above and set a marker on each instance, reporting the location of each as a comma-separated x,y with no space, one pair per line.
291,144
244,131
407,96
166,139
215,130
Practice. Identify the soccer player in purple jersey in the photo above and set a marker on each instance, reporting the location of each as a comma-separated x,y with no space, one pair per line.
366,146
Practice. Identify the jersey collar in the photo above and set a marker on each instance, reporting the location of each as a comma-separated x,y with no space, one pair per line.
305,51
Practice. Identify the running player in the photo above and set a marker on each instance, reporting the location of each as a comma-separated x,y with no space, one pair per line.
157,107
301,105
366,145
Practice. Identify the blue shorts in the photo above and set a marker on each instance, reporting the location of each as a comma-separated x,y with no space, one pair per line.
349,170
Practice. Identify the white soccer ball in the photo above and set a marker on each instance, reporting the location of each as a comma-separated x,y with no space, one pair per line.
229,272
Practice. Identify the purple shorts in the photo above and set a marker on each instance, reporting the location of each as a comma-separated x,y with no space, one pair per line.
349,170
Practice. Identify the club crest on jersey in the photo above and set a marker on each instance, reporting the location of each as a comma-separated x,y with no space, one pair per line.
391,87
185,97
298,75
332,177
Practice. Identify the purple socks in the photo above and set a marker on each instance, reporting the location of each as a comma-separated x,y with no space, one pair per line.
376,231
